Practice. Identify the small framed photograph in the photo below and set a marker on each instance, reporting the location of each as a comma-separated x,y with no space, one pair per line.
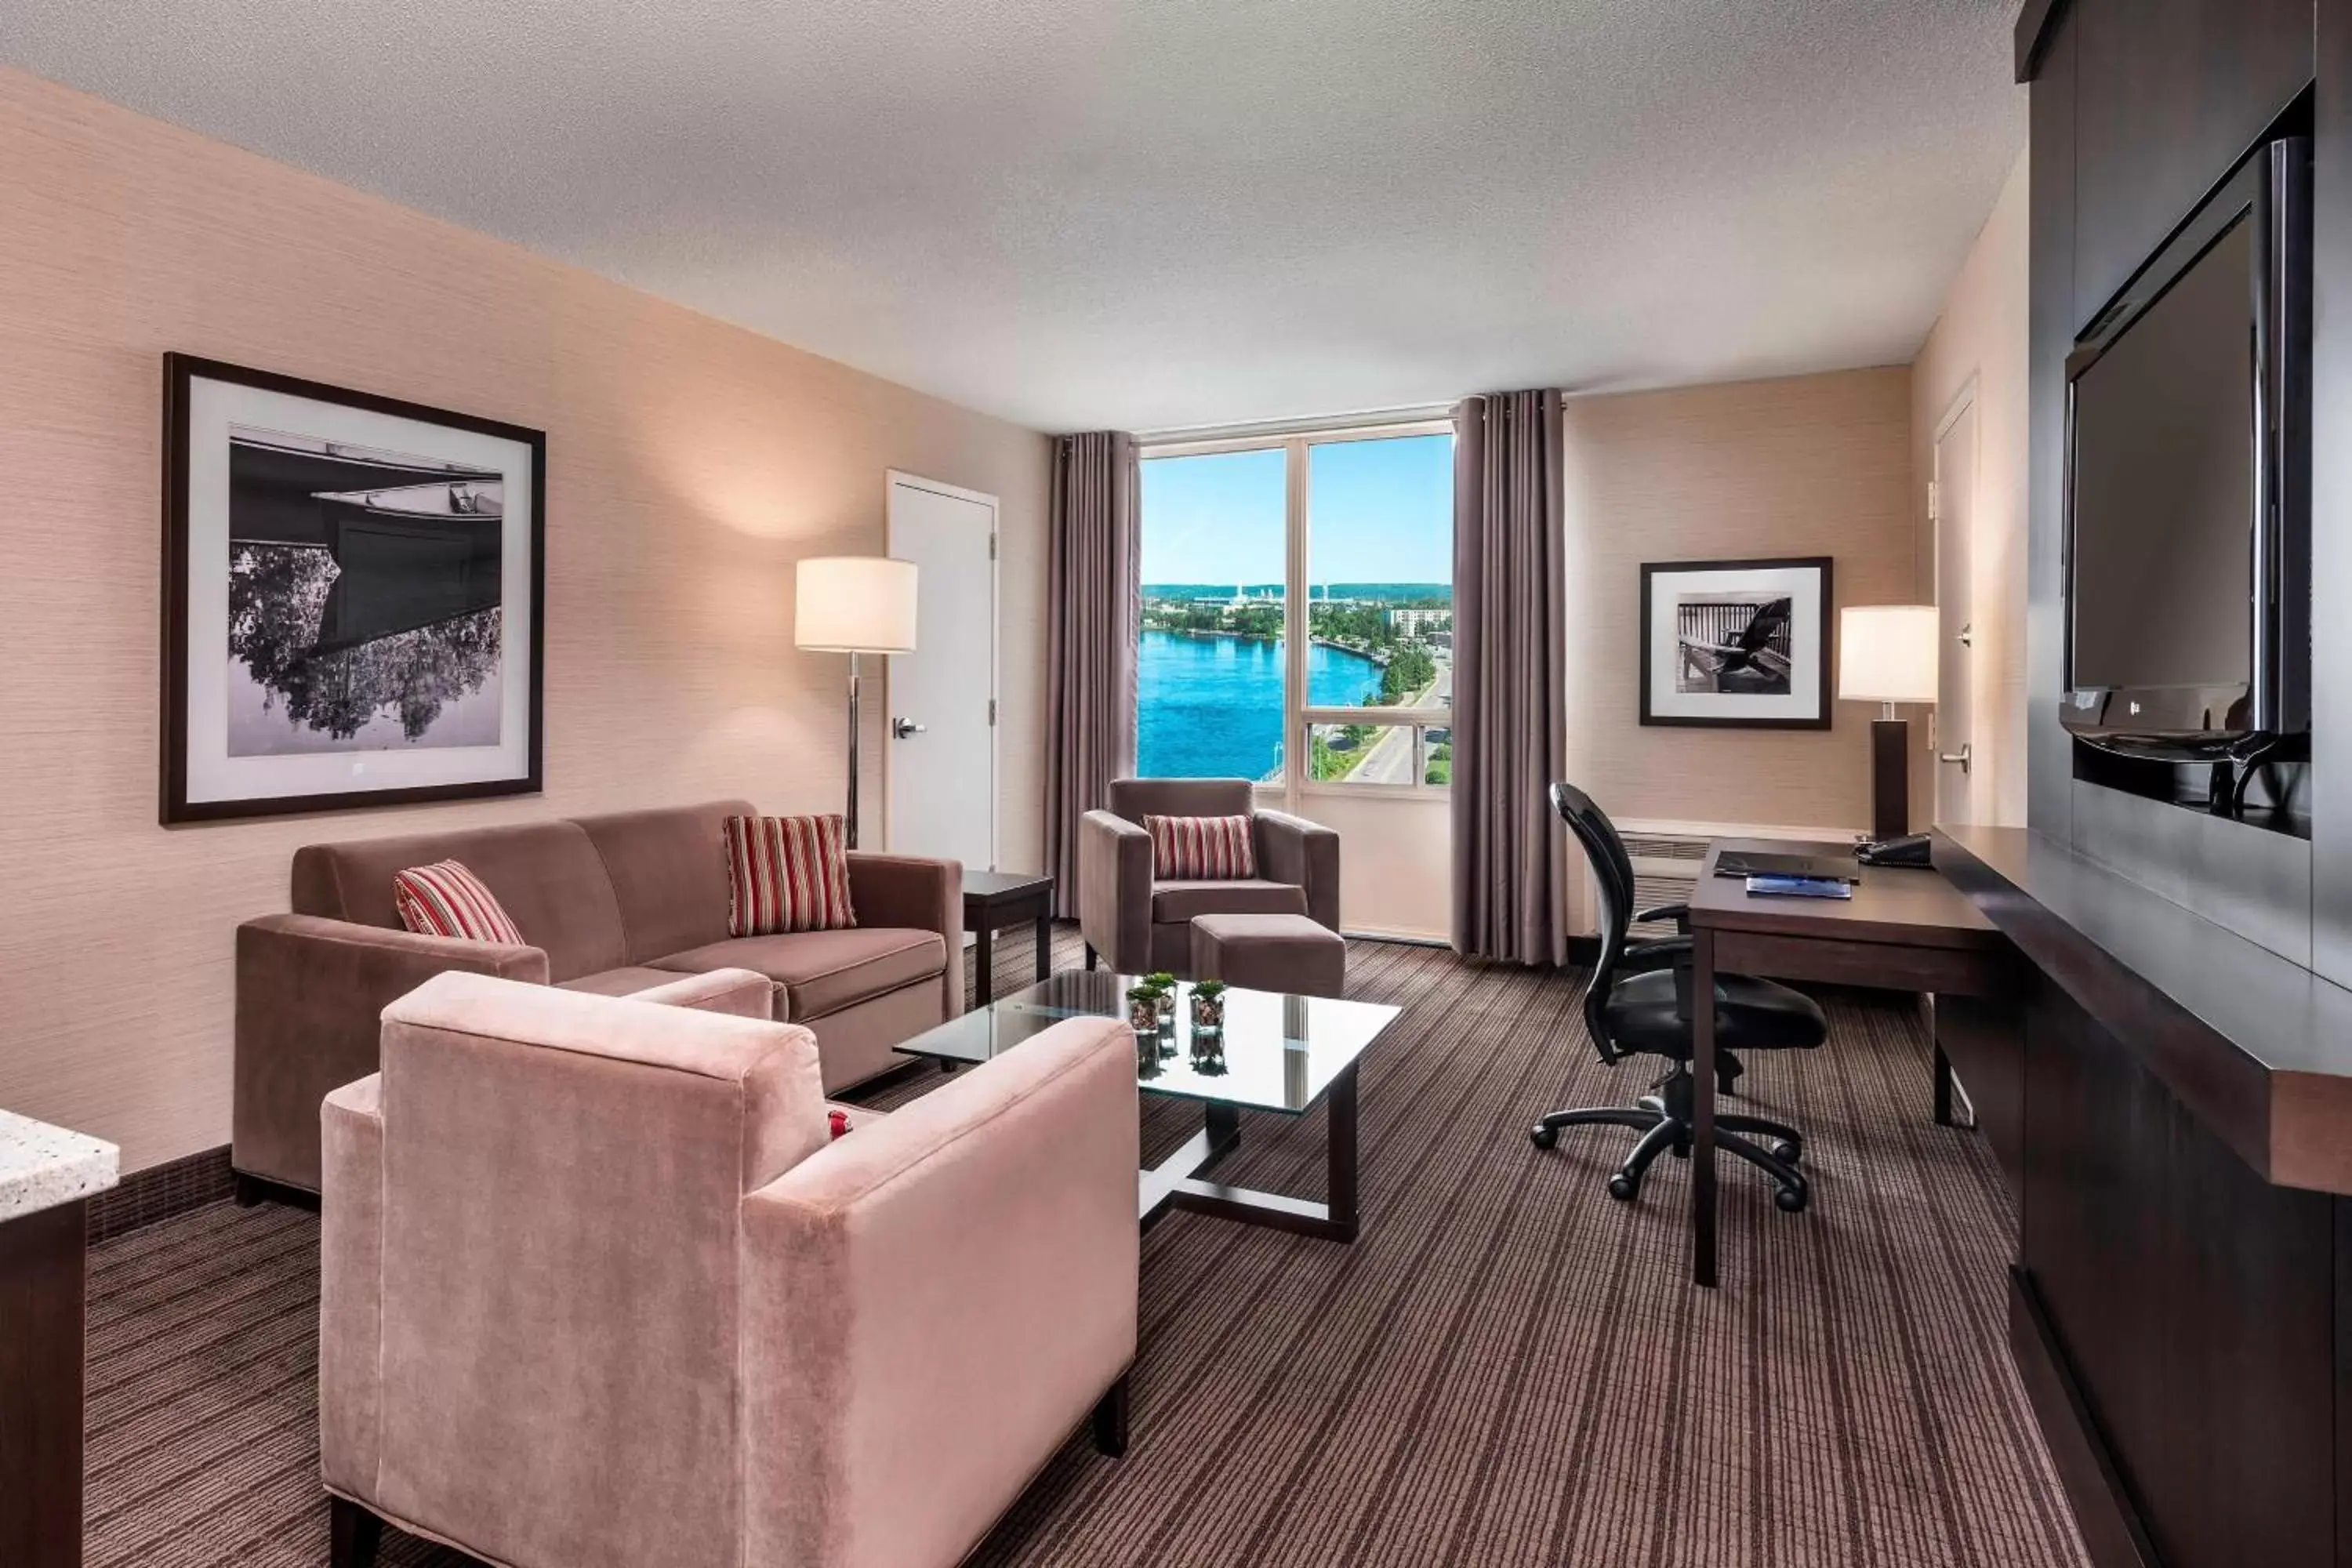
1737,644
351,598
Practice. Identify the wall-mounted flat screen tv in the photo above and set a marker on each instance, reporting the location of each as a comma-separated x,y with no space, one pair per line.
2188,468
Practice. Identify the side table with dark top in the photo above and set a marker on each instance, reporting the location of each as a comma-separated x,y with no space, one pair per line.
994,900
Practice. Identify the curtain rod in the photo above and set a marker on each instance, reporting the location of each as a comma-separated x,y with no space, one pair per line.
1359,421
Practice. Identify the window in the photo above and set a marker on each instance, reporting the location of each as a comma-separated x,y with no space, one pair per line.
1208,671
1380,586
1343,540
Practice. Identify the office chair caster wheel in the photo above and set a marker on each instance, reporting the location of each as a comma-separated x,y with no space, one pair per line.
1624,1188
1792,1152
1543,1137
1789,1200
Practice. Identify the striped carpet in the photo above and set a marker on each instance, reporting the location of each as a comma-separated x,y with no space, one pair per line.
1506,1369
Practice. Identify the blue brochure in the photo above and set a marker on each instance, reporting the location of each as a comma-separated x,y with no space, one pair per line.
1800,887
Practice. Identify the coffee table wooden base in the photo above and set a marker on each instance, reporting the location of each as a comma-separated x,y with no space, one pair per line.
1175,1183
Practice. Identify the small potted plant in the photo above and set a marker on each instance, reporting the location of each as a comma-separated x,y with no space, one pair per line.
1209,1007
1143,1008
1163,986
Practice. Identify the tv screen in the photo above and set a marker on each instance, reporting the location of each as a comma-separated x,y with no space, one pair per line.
2164,475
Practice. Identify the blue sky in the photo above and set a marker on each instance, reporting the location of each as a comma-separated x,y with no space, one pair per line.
1378,512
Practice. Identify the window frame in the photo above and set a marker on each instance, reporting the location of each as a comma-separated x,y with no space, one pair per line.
1297,443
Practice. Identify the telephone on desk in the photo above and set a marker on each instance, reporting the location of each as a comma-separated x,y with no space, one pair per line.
1910,850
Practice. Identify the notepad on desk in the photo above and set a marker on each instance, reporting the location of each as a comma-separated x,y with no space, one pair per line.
1781,887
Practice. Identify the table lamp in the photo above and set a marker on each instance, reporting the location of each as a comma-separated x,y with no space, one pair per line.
854,605
1886,655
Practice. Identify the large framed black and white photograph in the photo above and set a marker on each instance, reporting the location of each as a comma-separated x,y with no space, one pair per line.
351,598
1737,644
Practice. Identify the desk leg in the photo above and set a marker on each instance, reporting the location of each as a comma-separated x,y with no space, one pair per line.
1045,945
1702,1157
1943,1088
983,958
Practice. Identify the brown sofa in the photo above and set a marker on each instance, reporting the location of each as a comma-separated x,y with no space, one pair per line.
612,904
1137,924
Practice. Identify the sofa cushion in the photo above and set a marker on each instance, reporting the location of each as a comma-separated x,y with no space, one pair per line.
1202,849
547,875
787,874
447,900
669,873
1174,903
623,982
825,970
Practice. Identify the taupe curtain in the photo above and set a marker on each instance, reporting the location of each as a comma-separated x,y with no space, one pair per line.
1510,889
1093,608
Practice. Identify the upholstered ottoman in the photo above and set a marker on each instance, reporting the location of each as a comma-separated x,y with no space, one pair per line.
1270,952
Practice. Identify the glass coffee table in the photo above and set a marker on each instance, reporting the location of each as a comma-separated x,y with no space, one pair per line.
1276,1053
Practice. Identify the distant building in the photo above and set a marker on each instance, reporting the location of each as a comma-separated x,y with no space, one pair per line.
1409,623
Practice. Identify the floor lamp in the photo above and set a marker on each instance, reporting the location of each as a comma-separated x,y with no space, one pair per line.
1886,655
854,605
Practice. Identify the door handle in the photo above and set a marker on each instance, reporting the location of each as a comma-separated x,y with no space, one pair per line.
902,729
1962,757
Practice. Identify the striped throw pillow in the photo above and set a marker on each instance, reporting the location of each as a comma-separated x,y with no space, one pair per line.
787,874
447,900
1202,849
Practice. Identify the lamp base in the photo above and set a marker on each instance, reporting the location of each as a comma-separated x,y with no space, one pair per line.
1890,778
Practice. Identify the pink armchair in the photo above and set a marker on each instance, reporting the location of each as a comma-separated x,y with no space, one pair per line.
597,1290
1138,924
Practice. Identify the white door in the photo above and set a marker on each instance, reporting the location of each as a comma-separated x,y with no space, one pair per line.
1954,503
939,778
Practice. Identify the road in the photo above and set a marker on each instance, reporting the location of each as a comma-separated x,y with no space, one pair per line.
1389,761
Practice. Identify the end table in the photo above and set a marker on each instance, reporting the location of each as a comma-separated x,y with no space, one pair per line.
994,900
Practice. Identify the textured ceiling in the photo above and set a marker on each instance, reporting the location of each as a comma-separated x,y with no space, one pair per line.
1154,213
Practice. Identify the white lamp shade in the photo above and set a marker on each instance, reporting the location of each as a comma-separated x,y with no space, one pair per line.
1887,653
854,603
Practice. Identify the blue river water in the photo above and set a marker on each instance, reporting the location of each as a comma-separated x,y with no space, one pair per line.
1211,706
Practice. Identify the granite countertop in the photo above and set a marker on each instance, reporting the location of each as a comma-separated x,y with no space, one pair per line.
42,1166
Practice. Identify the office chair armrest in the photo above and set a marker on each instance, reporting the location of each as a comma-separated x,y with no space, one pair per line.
1678,913
1643,957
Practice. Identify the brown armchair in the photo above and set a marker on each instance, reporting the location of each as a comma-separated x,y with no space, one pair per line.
1137,923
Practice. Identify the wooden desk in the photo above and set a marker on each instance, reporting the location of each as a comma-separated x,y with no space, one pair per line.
1902,930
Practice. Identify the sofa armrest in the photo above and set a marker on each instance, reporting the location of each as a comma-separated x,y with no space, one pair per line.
740,992
911,893
932,1304
1115,890
309,991
1305,854
350,1275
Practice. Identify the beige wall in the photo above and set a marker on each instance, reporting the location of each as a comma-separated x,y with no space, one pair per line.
1396,859
1817,464
1978,350
689,465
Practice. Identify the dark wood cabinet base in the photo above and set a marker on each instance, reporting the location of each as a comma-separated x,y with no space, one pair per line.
42,1292
2112,1531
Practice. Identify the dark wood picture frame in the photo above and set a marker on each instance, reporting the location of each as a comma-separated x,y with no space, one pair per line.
1651,569
175,806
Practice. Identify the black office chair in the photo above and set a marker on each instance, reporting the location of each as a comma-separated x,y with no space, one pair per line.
1639,1003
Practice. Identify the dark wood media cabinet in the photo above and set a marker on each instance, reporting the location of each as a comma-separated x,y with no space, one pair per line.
2172,1106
